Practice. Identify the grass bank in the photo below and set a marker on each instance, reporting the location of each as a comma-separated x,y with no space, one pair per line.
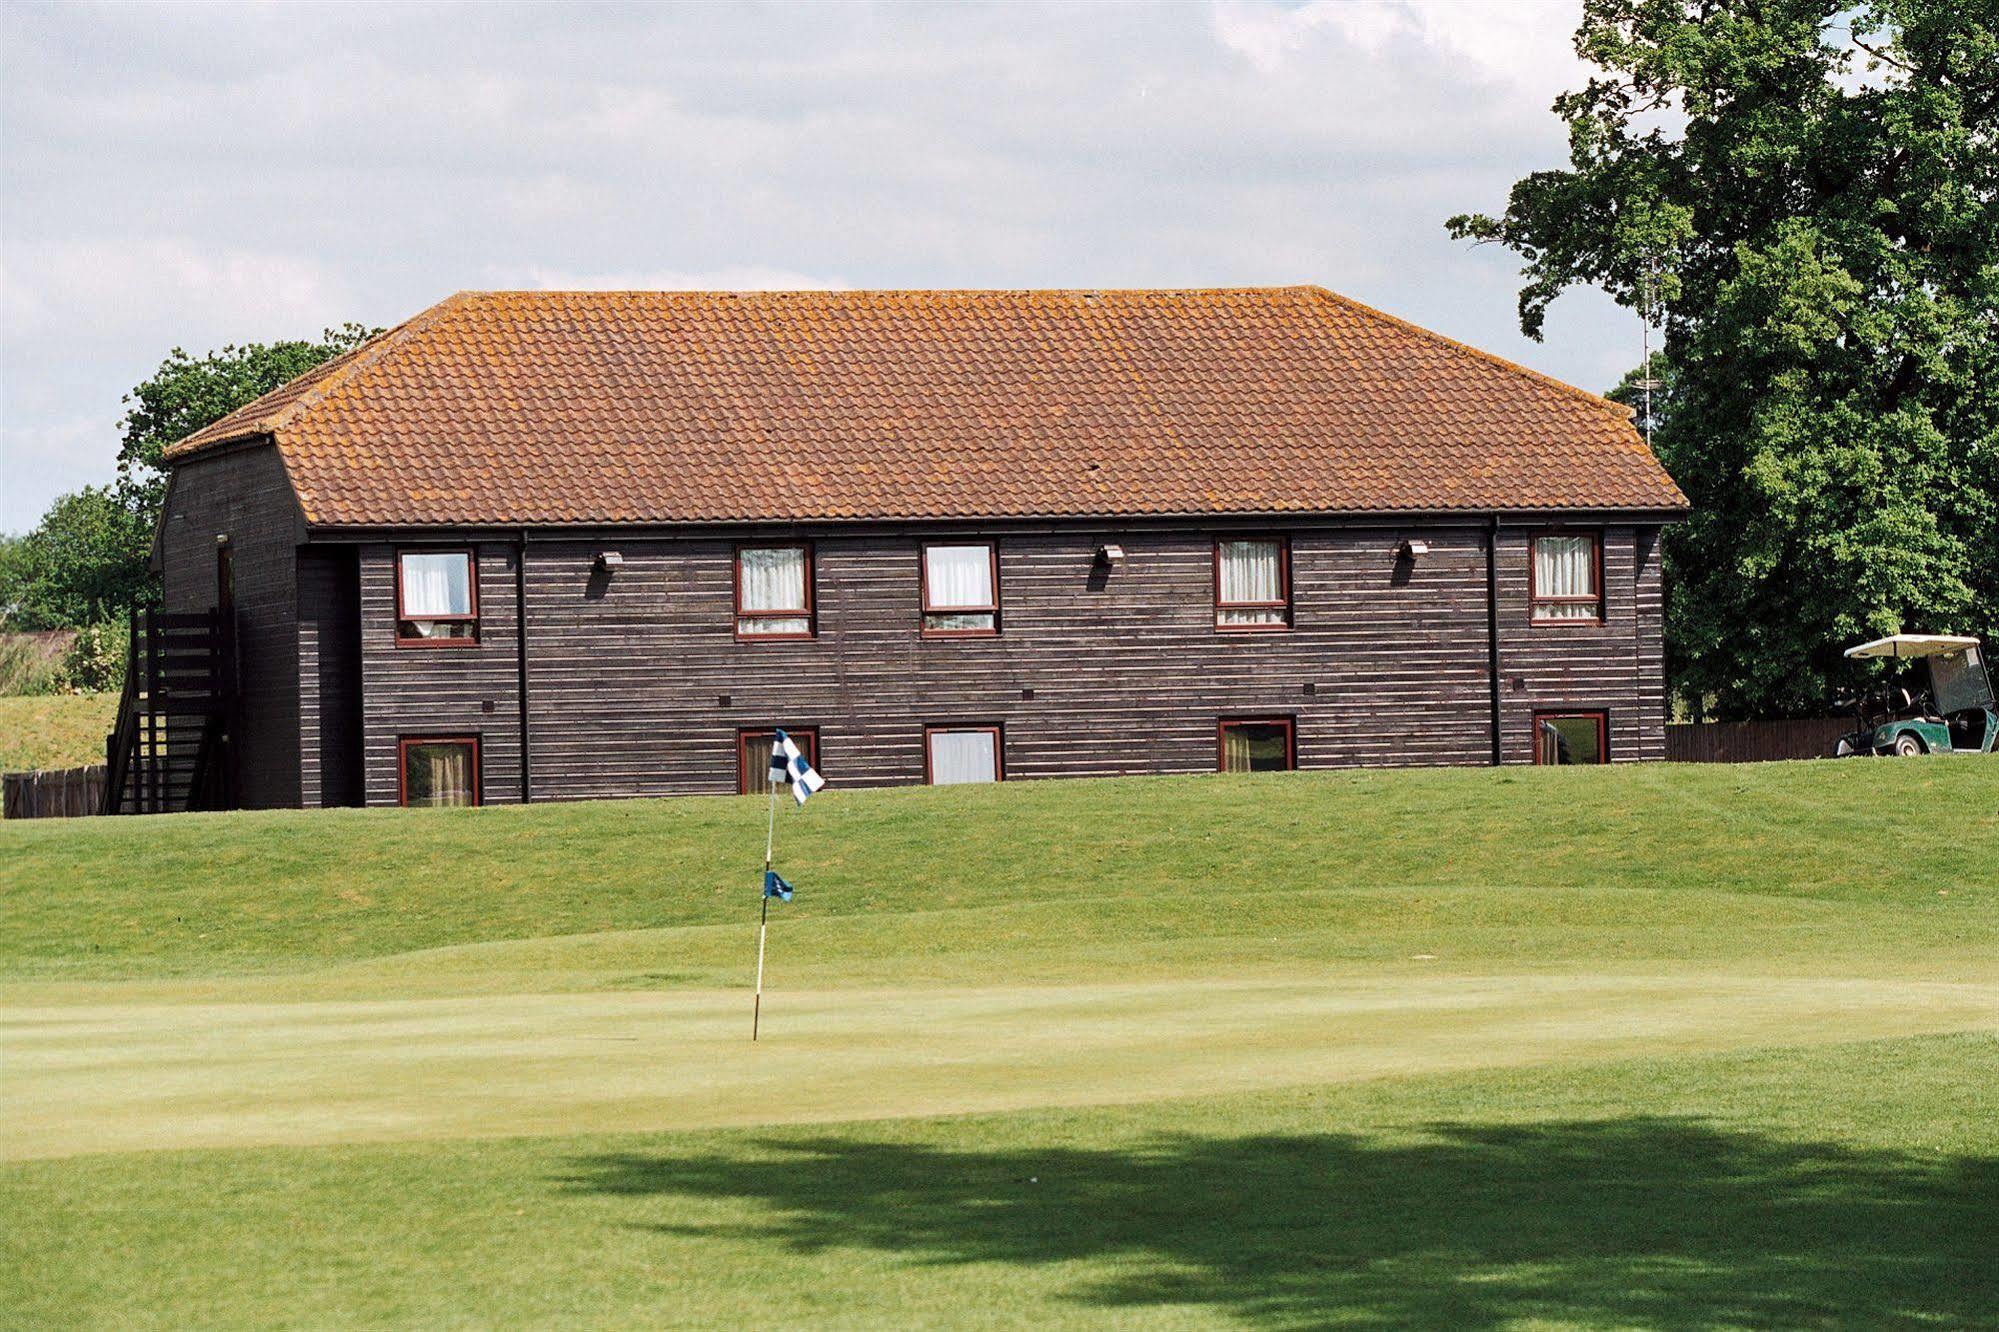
54,730
1669,1046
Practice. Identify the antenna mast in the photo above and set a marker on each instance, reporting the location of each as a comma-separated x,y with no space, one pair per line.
1648,296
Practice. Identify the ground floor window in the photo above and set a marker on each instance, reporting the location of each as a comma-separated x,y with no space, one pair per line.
955,755
753,756
440,770
1257,744
1571,737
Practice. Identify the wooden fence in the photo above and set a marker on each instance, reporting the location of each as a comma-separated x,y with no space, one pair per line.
1754,741
55,793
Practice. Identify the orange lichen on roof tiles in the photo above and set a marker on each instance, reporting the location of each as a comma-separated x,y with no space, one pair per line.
688,407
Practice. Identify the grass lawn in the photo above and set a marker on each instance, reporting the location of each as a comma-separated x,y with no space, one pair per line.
54,730
1669,1046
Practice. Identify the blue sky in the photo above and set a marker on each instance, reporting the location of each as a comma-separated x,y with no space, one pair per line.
195,175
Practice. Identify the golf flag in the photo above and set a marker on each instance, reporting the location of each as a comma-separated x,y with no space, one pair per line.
787,764
776,887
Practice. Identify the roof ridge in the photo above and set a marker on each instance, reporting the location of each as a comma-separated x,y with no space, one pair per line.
1443,339
754,293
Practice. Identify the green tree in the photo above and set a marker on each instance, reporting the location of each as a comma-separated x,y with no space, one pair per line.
189,392
84,563
1815,184
87,562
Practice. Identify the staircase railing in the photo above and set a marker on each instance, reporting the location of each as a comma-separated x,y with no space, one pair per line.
124,738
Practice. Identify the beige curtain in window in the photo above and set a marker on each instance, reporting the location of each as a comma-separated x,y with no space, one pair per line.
1235,749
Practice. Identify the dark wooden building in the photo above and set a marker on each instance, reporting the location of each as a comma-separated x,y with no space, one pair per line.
557,545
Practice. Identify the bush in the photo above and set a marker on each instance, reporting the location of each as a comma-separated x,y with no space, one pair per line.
33,663
96,659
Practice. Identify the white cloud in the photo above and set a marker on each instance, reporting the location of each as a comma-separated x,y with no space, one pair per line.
733,278
108,286
197,174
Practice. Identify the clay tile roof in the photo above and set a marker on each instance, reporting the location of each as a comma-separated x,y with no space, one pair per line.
675,407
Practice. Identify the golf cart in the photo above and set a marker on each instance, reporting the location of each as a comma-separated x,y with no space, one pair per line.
1943,706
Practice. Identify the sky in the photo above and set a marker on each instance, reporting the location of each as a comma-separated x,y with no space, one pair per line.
199,175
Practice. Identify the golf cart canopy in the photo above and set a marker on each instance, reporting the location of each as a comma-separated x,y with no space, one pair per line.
1912,645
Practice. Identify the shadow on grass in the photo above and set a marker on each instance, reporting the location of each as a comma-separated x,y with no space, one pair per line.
1648,1222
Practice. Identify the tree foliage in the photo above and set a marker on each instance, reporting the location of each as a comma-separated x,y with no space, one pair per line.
189,392
1816,185
87,561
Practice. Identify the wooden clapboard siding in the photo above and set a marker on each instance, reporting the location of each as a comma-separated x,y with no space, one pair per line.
1386,663
441,691
1615,667
243,493
329,647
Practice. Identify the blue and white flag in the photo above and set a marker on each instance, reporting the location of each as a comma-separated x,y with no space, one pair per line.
787,764
776,887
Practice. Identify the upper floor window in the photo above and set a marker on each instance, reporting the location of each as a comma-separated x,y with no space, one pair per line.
774,592
1565,581
960,589
437,598
1252,584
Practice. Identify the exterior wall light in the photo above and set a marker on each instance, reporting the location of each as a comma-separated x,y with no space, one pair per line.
1110,554
608,560
1411,549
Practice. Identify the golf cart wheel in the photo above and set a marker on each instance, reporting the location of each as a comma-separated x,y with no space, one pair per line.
1908,746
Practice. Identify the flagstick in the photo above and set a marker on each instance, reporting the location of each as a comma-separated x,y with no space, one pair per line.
763,917
756,1013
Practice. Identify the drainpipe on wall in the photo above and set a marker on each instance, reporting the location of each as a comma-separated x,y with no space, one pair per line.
1492,629
521,648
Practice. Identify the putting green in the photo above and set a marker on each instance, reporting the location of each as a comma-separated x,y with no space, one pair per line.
110,1077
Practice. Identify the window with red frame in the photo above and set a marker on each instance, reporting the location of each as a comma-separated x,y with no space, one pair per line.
960,589
1571,737
438,770
753,756
1256,744
1566,578
1252,584
437,598
774,592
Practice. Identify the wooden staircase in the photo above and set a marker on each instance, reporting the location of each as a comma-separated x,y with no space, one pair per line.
171,751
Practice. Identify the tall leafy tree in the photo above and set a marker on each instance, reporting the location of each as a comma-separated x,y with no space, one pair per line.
1811,188
87,561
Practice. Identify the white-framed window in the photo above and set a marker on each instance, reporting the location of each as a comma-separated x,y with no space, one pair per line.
960,589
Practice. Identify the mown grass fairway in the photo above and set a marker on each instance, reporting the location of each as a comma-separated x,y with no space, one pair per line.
1664,1046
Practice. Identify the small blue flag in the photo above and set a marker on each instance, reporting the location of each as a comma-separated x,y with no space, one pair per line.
776,887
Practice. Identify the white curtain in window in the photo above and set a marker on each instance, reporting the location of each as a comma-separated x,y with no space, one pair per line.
1565,566
958,576
957,757
774,579
437,585
438,774
1251,571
